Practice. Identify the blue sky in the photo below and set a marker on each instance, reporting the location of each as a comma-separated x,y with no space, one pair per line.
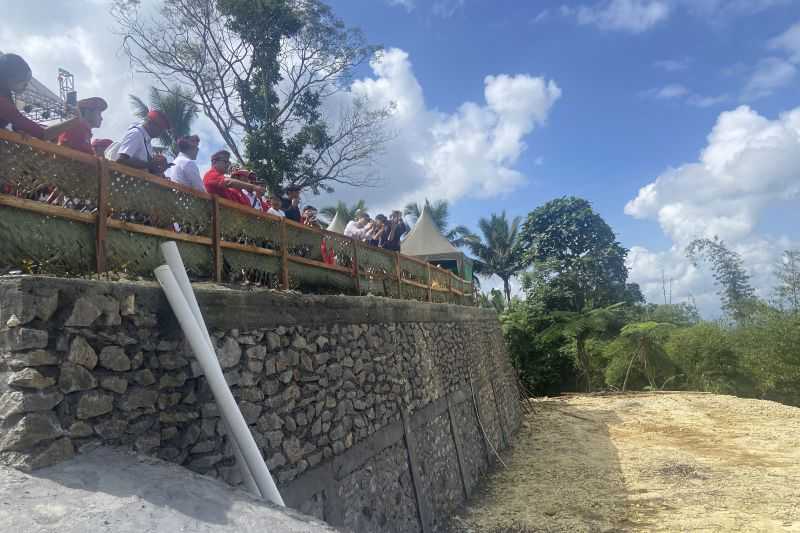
635,100
676,118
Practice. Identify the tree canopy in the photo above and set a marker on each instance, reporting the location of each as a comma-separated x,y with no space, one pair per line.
266,73
578,263
496,250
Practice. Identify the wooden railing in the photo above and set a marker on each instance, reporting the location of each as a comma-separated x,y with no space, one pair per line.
119,215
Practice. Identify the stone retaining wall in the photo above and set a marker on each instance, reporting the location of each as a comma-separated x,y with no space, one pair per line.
364,408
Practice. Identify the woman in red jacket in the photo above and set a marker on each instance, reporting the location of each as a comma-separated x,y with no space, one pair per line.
15,74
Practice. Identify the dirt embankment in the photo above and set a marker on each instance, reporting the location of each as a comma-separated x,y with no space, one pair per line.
647,462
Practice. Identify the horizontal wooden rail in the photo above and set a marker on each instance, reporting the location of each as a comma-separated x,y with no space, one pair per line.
105,172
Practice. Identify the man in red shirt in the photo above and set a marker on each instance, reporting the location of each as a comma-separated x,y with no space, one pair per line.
218,183
79,137
100,145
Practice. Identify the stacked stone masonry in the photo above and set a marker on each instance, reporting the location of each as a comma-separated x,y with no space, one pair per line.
364,408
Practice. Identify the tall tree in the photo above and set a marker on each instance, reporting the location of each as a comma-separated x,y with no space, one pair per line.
787,272
262,71
347,212
497,251
177,105
578,263
440,213
735,292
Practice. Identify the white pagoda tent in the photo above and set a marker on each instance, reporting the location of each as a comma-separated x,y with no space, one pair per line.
337,224
426,242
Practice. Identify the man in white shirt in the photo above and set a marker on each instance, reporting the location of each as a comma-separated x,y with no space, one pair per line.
355,228
184,169
134,148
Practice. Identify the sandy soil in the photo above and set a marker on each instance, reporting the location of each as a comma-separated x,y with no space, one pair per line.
646,462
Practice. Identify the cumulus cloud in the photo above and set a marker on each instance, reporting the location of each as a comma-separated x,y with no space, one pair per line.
635,16
469,152
749,164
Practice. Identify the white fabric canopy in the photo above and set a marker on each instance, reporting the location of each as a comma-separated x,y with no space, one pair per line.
425,240
337,224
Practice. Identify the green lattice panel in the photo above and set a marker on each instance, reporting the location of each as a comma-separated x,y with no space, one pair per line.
35,174
252,230
137,255
135,199
316,280
40,244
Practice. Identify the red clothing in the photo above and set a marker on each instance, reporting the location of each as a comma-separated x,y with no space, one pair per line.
9,114
78,137
215,184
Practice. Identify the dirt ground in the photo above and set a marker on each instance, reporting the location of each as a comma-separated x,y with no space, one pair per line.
646,462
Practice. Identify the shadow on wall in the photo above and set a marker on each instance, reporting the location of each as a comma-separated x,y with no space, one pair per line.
563,474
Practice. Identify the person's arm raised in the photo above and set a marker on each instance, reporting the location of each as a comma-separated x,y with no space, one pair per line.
230,182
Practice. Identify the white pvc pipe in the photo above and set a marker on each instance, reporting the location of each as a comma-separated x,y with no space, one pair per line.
216,381
173,257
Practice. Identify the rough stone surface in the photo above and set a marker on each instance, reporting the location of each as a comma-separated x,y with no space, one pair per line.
18,339
94,403
30,430
325,384
18,402
30,378
75,378
81,353
18,361
115,358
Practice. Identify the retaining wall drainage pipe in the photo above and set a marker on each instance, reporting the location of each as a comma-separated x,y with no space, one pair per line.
173,258
216,381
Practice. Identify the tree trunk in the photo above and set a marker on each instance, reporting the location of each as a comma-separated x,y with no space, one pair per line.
507,288
583,359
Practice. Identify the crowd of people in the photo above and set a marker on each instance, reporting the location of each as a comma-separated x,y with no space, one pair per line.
135,150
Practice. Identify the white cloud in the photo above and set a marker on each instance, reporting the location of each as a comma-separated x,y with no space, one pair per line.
749,165
635,16
407,4
672,65
470,152
788,42
447,8
81,40
676,91
541,17
770,75
671,91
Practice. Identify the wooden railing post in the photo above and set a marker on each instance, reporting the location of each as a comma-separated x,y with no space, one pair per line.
430,284
284,256
397,272
103,184
216,238
356,274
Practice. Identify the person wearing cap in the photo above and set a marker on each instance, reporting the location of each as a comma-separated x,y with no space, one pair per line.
216,182
15,74
99,146
253,197
79,137
291,204
184,169
135,149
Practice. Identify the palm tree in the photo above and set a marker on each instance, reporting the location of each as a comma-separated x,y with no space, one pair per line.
177,105
497,251
440,213
348,213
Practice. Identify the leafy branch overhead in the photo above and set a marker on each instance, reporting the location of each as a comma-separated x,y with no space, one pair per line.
267,73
